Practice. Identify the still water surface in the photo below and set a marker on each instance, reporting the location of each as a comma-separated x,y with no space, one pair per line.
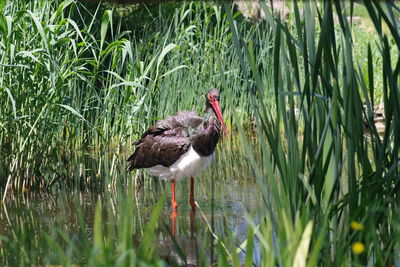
226,195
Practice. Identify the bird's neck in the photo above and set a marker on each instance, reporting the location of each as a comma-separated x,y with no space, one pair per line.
209,115
209,120
205,137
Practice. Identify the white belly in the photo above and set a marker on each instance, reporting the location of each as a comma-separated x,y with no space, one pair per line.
188,165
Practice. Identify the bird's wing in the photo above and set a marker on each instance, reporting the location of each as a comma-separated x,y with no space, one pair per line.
178,122
164,142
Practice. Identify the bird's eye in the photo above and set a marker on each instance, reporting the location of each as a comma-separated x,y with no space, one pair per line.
211,98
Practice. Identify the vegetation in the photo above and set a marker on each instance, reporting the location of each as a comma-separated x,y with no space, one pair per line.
75,80
330,189
79,81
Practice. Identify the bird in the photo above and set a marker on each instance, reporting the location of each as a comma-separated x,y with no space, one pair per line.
180,145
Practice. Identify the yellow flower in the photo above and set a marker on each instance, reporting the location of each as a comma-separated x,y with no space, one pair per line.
356,226
358,247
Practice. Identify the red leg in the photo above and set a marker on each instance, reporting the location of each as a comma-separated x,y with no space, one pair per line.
192,193
173,219
173,200
192,221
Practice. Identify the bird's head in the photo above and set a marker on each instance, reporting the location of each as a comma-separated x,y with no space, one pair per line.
212,101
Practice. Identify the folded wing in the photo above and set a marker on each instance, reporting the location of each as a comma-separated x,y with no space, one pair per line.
165,142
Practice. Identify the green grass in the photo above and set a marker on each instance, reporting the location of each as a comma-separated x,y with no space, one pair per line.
79,81
319,171
108,226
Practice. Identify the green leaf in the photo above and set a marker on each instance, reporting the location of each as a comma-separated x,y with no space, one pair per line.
165,51
105,22
300,258
39,27
249,247
10,96
73,111
173,70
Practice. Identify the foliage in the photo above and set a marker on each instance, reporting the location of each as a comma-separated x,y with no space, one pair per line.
78,82
320,170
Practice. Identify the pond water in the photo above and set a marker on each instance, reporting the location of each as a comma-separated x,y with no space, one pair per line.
226,196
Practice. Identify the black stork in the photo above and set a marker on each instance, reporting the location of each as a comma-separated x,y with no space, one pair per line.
181,145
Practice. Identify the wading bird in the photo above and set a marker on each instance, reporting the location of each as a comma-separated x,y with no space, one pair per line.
181,145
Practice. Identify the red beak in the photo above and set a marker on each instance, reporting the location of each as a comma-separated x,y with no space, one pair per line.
217,110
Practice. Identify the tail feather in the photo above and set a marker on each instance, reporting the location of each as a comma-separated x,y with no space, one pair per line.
131,162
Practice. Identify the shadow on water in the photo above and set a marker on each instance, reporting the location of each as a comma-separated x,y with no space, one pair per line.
28,222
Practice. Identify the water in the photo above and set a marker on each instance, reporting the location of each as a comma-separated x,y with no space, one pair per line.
226,196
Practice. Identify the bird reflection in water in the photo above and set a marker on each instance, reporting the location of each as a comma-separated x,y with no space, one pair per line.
180,250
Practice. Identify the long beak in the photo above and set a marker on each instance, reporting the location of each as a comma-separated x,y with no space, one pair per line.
217,110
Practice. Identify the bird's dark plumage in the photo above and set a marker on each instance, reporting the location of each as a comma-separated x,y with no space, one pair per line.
181,145
168,139
164,142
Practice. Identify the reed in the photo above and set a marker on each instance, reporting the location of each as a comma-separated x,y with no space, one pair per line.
78,79
320,173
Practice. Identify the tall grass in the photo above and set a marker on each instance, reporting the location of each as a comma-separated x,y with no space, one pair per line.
78,79
319,172
35,242
108,228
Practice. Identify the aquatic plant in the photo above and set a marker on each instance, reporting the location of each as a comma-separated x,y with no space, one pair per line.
79,79
319,169
78,82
